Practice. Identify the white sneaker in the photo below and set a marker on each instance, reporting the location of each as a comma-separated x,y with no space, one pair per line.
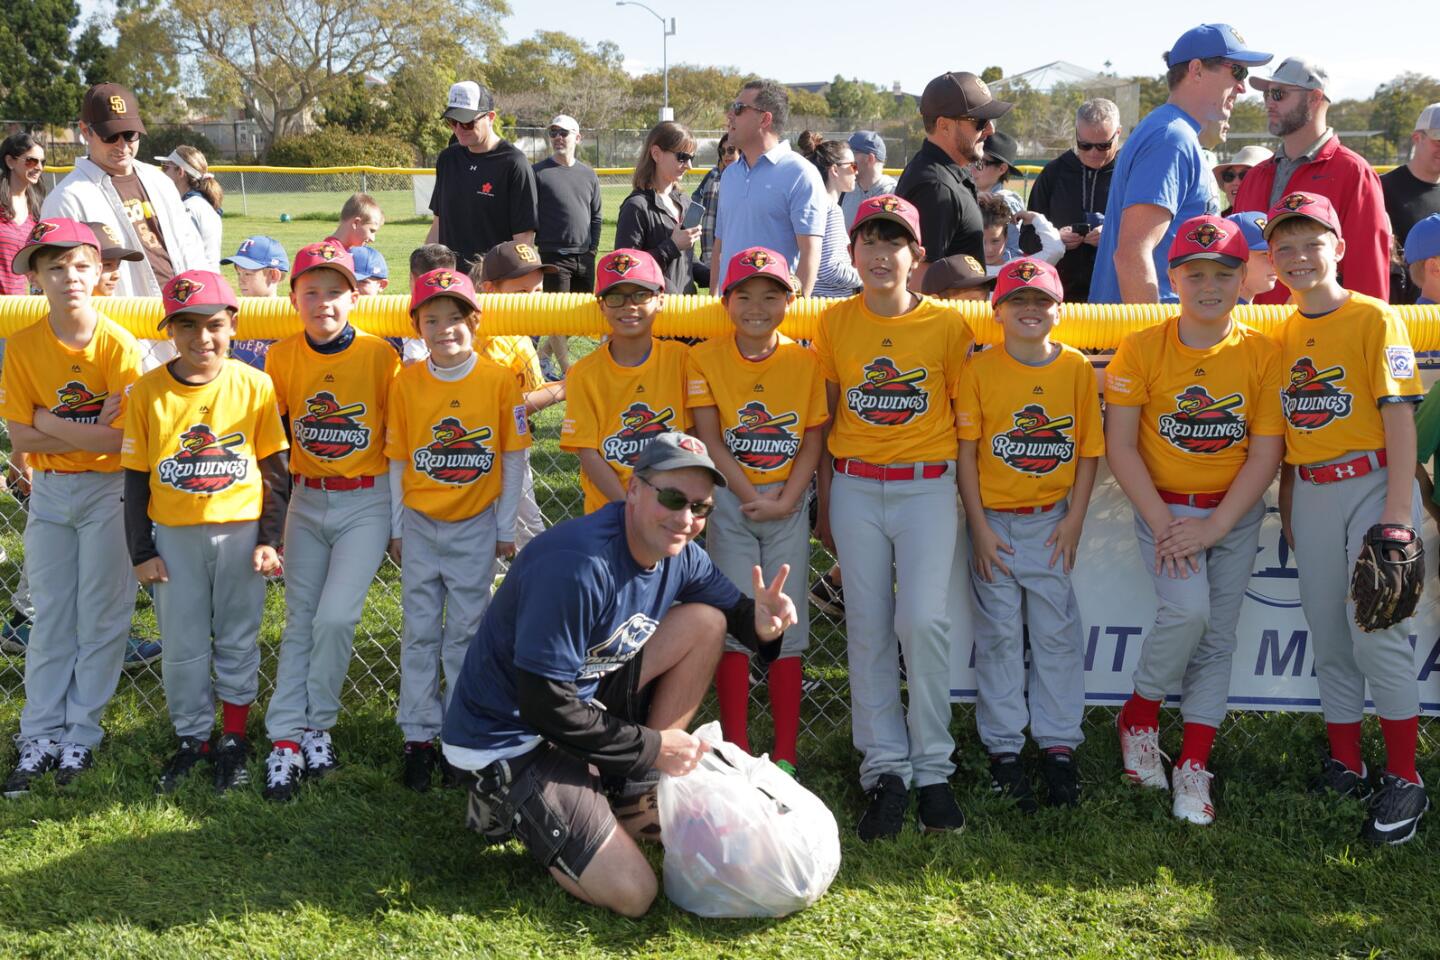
1192,794
1140,754
319,753
283,770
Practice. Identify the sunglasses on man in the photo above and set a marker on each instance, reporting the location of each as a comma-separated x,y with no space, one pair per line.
467,125
677,500
129,136
1096,145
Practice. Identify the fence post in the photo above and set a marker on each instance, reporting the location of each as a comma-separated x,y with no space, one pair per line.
364,182
244,198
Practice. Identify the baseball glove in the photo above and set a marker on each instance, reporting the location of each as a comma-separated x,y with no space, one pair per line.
1388,575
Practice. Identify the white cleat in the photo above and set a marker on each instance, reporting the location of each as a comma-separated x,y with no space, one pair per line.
1192,794
1140,754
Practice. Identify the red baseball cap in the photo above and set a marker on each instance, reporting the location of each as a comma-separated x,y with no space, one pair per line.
887,206
628,265
1027,273
1311,206
758,262
196,293
326,253
1209,238
56,232
443,282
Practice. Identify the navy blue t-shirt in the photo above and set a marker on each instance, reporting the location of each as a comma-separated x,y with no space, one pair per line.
574,607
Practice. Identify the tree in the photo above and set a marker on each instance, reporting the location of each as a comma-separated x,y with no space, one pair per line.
283,58
803,103
39,80
1153,92
554,72
854,100
991,74
1399,101
699,96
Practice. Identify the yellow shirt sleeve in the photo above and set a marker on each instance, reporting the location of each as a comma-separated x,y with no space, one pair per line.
1125,384
824,352
1268,419
1090,436
269,431
697,386
1393,372
514,424
819,408
581,428
135,447
967,404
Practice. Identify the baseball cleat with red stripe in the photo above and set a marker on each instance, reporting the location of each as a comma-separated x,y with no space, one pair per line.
1192,794
1140,755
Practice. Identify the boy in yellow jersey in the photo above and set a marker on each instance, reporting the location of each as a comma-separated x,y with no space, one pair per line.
1350,385
1194,437
456,435
893,362
331,382
1030,436
758,401
631,388
204,460
60,394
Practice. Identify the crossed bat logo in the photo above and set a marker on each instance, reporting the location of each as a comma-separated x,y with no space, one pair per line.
78,403
638,426
456,455
184,289
760,440
204,463
1311,400
1206,235
330,430
888,397
1203,424
1037,443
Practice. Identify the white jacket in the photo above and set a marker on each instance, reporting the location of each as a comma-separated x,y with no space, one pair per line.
86,194
208,224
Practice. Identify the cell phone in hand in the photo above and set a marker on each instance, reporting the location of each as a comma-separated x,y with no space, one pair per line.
694,212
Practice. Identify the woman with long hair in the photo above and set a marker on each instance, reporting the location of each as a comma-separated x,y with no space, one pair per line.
652,218
837,276
21,193
200,192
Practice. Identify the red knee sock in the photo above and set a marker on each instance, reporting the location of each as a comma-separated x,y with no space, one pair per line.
785,677
1199,737
1400,737
287,745
1345,744
233,717
1140,713
732,688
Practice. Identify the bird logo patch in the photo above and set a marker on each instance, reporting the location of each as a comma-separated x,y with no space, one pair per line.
1206,235
184,289
638,426
443,280
1296,200
1311,400
621,263
78,403
205,463
756,258
329,430
41,230
888,397
456,455
1037,444
1024,271
1203,424
760,440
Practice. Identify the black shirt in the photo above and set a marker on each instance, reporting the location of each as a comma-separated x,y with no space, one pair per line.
1064,193
569,207
943,192
482,198
643,224
1408,200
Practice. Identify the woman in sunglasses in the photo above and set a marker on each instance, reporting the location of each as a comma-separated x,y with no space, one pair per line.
838,276
20,195
652,218
200,192
1230,174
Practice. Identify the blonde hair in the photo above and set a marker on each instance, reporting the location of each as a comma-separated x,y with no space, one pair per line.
361,205
207,186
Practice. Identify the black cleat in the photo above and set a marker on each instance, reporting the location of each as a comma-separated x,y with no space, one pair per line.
230,756
1062,782
1009,779
828,596
1339,779
936,810
284,769
885,816
190,752
1395,811
37,758
420,763
74,760
319,752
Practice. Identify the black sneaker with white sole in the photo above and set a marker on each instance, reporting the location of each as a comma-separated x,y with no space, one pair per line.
319,751
1009,779
828,596
936,810
284,769
230,756
1395,811
1340,780
37,758
191,751
74,760
1062,781
884,817
419,766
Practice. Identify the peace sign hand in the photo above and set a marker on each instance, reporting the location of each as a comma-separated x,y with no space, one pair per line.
774,611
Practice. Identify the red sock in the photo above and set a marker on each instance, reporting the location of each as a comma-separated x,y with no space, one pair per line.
785,677
1199,738
287,745
1345,745
732,687
1400,737
1140,713
233,717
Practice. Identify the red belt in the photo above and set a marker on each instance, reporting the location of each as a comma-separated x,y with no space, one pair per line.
1046,508
335,483
1332,472
871,471
1204,501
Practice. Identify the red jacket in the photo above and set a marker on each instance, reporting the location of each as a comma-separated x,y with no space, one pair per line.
1349,182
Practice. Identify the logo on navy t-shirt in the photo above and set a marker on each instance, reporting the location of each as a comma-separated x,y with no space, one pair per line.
619,648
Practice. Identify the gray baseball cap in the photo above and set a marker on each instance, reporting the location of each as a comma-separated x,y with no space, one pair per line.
676,451
1294,72
1429,122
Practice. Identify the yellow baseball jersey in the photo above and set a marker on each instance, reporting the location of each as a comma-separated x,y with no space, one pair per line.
40,371
1199,408
764,406
450,435
897,379
202,445
1336,371
1031,425
618,410
336,404
516,354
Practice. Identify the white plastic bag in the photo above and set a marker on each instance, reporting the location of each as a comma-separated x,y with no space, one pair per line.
741,838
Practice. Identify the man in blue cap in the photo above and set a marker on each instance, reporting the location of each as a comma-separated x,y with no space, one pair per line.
1161,178
871,180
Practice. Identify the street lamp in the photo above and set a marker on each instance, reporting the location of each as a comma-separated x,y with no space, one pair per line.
668,31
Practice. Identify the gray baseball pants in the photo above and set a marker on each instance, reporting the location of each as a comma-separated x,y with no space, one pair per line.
738,544
529,522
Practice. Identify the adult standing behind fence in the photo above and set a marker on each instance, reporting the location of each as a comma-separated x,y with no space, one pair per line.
652,217
837,276
708,195
770,196
871,180
201,194
959,113
1412,193
21,194
484,187
569,214
134,199
1072,189
1161,178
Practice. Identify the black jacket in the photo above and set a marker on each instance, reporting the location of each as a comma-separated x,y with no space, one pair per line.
1063,193
941,189
645,225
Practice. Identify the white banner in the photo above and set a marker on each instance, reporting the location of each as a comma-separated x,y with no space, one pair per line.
1274,663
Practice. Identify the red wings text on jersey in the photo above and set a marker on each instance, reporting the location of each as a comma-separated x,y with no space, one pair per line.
888,397
638,426
1203,424
1311,399
329,430
78,403
1037,444
761,440
204,463
456,455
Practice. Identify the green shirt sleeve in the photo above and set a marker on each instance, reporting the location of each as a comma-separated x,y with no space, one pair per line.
1427,425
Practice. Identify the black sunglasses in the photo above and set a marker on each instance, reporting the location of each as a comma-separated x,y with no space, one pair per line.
1230,176
677,500
1083,145
738,108
683,157
637,297
1278,93
1237,70
457,125
129,136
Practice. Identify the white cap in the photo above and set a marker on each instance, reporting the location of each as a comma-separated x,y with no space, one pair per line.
1429,122
566,122
467,101
1248,156
1294,72
180,162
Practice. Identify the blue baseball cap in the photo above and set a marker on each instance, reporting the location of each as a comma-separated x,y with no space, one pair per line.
1214,40
1423,240
258,253
369,264
868,141
1252,228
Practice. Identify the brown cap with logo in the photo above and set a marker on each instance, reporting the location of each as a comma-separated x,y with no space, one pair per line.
109,108
511,259
960,95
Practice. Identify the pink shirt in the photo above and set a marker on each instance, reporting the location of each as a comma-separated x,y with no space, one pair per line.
12,237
